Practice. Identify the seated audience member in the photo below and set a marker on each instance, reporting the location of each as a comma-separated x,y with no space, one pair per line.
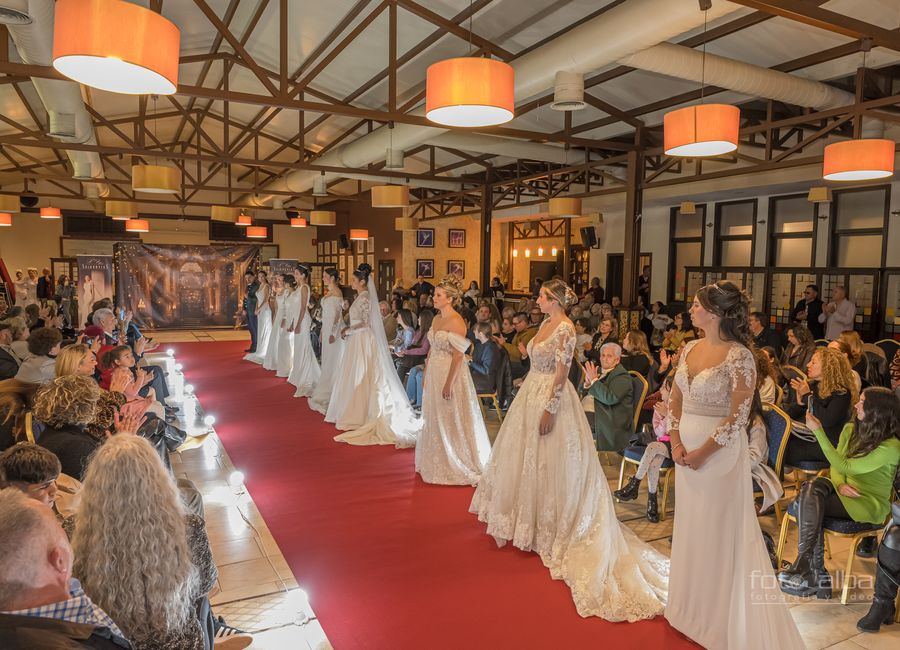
517,348
844,349
19,333
831,393
594,311
660,321
636,355
584,334
766,377
132,526
9,362
611,388
418,348
16,398
681,331
33,316
422,287
537,316
389,320
507,330
485,360
800,347
426,303
404,330
575,312
43,346
763,335
77,359
106,319
414,385
41,606
863,466
607,332
473,292
775,362
121,358
871,366
887,577
606,311
32,470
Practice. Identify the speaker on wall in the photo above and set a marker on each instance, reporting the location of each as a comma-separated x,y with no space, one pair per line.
588,237
345,243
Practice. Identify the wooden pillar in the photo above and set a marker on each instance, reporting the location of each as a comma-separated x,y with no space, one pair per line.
567,236
631,268
487,209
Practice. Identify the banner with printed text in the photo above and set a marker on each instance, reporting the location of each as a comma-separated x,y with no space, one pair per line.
95,282
281,266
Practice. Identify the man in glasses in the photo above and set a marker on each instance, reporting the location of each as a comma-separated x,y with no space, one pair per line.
808,309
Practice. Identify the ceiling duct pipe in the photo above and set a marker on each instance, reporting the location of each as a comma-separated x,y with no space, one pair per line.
616,33
69,120
568,92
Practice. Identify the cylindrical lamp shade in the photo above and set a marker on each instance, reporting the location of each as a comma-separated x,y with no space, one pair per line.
359,234
224,213
469,91
298,222
406,223
121,210
137,225
322,217
390,196
9,203
116,46
257,232
820,194
51,213
244,220
5,219
155,179
688,207
859,160
705,130
565,206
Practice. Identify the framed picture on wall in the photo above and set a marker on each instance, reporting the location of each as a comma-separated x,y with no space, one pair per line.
425,238
456,238
457,267
342,264
425,268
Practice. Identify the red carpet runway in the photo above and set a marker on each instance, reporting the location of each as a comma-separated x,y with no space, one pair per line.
387,561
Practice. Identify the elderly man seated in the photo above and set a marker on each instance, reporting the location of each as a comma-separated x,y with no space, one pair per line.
610,386
518,349
41,605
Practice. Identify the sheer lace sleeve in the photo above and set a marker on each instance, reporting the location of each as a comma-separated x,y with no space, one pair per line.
741,369
364,309
338,318
673,417
564,349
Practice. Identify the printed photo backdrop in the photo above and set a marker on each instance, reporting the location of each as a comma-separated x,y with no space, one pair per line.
95,282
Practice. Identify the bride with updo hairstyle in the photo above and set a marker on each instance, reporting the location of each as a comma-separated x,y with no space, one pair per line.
305,368
454,445
544,490
722,590
332,343
368,402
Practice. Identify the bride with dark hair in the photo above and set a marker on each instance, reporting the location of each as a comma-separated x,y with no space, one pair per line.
332,343
368,402
305,369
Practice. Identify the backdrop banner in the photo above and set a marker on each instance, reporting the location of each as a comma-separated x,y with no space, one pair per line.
281,266
95,282
177,286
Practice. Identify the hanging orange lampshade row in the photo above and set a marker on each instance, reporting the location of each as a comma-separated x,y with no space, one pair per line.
298,222
244,220
469,91
705,130
137,225
359,234
116,46
859,160
51,213
390,196
257,232
5,219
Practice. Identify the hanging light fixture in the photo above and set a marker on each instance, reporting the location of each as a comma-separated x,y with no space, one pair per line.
5,219
527,252
393,158
406,223
121,210
51,213
320,187
257,232
688,207
820,194
137,225
224,213
116,46
565,206
515,252
470,91
244,220
298,222
322,218
859,160
390,196
553,251
155,179
702,130
9,203
359,234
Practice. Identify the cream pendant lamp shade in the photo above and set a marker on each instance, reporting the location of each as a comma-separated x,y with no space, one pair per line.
116,46
359,234
704,130
121,210
51,213
257,232
224,213
859,160
320,187
137,225
9,203
688,207
406,223
155,179
5,219
565,206
322,218
470,91
390,196
820,194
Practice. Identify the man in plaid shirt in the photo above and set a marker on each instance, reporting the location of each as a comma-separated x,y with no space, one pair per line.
41,605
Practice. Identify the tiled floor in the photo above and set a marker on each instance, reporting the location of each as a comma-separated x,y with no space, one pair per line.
256,590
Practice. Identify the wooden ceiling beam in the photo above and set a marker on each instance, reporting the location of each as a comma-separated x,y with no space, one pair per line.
453,28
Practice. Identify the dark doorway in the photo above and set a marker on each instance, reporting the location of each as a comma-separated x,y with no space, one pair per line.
614,270
386,277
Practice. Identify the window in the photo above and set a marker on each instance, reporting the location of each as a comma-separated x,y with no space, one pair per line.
685,248
792,223
735,228
858,224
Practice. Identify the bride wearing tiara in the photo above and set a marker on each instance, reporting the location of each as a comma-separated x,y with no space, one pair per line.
368,402
543,488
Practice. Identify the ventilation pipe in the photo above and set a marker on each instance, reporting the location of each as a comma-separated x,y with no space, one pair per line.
14,12
568,92
755,81
622,30
69,120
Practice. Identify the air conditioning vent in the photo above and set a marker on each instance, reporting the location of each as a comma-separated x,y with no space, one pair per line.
14,12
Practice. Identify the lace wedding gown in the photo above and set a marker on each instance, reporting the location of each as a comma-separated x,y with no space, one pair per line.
722,590
285,359
305,371
270,361
453,446
368,401
548,494
264,325
332,353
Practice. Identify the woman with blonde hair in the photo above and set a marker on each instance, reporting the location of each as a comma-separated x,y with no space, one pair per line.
453,446
137,553
637,353
76,359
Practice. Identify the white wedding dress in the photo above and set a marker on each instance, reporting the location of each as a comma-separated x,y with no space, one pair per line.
263,327
722,590
270,361
305,370
548,494
285,354
368,401
332,353
454,445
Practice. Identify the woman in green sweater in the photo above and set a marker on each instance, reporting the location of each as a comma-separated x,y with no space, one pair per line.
863,467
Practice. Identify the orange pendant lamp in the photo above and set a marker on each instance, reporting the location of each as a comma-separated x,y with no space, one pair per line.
359,234
5,219
116,46
51,213
257,232
470,91
244,220
298,222
137,225
700,131
859,160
